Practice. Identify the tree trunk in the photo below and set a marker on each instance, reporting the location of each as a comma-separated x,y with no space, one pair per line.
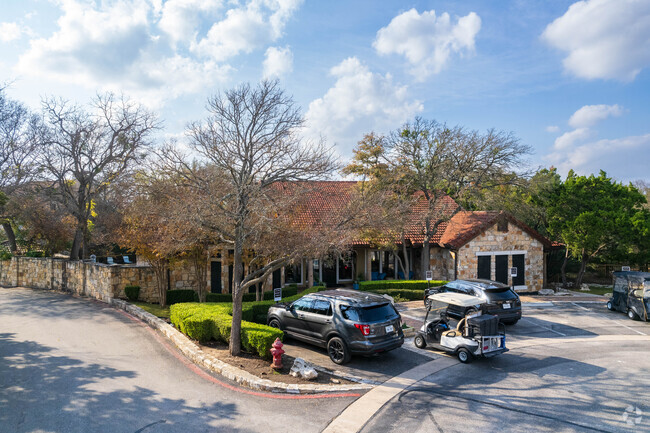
407,265
76,244
426,250
235,330
11,236
583,266
563,268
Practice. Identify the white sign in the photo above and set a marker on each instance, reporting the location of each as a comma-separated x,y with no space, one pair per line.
513,272
429,275
625,269
277,294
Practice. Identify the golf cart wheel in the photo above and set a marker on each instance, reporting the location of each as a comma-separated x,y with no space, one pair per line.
610,307
420,342
631,314
510,322
464,356
427,302
338,351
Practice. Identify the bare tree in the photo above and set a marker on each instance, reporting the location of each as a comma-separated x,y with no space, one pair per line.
251,142
443,165
18,153
87,151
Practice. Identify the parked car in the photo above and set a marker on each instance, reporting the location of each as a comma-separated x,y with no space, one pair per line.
502,301
345,322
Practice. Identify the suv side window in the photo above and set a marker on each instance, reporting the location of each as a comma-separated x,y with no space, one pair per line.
303,304
350,313
322,307
452,287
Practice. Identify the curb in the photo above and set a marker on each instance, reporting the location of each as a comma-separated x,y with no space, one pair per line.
194,353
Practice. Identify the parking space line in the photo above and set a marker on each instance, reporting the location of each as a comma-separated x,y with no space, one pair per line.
545,327
580,306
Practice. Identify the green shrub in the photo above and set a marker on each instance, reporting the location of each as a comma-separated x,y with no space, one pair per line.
218,297
179,296
34,254
5,255
207,321
372,286
132,292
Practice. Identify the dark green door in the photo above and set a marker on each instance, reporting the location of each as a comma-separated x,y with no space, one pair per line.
519,262
484,270
501,269
215,277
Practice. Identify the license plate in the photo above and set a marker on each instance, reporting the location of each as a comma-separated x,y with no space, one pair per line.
506,306
389,328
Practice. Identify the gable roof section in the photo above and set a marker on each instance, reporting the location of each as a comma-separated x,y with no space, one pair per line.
465,226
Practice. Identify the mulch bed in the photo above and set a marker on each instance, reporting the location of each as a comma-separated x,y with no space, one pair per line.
262,367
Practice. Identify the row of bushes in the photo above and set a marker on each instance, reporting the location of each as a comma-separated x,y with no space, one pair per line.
411,290
212,321
371,286
250,297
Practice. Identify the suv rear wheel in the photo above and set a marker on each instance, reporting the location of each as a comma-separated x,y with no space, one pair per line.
338,351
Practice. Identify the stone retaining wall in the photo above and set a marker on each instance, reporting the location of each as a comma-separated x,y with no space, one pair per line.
96,280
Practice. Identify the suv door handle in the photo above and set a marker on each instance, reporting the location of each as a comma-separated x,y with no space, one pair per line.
301,316
328,321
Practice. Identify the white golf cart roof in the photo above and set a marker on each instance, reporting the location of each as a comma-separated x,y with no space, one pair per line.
459,299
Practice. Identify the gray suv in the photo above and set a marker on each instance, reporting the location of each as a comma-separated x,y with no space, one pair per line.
345,322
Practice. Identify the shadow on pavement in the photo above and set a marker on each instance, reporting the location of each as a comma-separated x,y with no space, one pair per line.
43,392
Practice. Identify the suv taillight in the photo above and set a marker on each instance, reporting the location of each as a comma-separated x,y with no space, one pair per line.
365,329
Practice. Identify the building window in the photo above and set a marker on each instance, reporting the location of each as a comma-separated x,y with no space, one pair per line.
502,225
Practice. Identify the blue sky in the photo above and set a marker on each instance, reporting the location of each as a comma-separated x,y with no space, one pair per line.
570,79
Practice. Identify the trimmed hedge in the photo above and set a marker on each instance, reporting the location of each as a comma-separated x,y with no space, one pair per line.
250,297
212,321
179,296
371,286
132,292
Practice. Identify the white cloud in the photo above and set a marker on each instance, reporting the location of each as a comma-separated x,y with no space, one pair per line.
607,39
589,115
623,158
10,32
278,62
181,18
247,28
360,101
426,40
552,128
568,139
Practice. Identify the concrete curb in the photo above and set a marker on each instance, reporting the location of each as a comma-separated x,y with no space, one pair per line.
193,352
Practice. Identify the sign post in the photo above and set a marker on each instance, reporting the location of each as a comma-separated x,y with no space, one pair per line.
428,276
513,274
277,294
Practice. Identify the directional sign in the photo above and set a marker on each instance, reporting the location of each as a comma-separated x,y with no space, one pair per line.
625,268
513,272
429,275
277,294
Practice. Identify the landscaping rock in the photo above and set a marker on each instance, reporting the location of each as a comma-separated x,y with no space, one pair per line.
302,368
547,292
584,287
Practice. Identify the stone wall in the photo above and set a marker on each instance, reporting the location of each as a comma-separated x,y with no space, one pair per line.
442,263
513,241
96,280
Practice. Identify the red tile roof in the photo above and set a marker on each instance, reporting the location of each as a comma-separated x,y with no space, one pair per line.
465,226
321,200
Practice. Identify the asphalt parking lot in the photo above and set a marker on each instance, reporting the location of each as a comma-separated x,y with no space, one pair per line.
547,320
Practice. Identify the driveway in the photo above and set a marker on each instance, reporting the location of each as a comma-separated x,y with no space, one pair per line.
74,365
572,367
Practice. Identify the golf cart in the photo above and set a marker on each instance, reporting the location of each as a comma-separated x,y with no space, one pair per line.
475,335
631,294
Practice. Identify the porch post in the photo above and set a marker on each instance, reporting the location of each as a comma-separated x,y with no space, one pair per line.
310,273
